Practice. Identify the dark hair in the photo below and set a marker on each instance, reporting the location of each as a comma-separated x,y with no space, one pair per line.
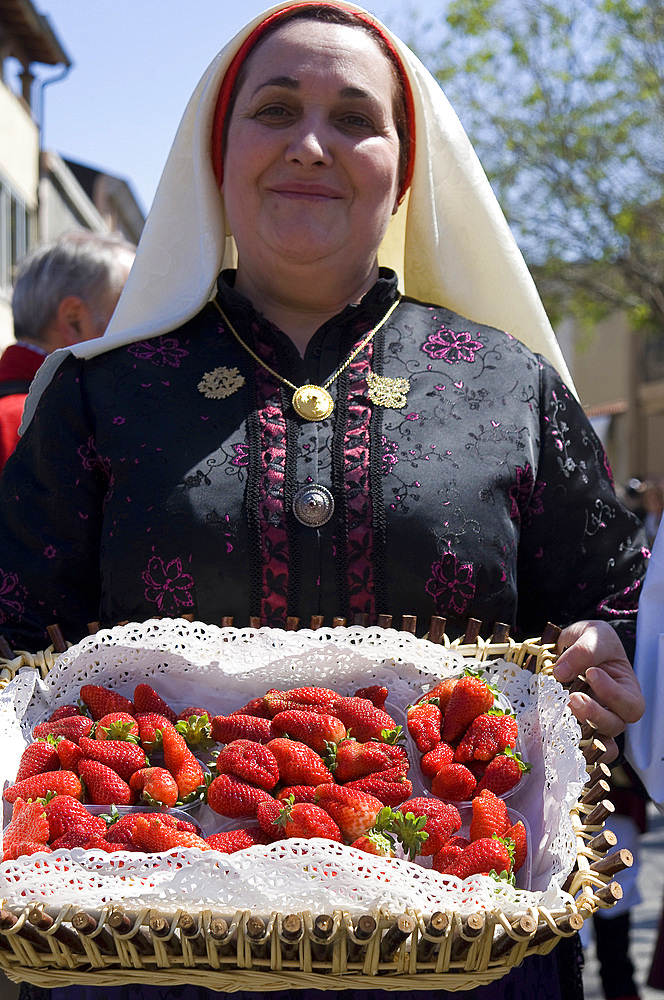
328,14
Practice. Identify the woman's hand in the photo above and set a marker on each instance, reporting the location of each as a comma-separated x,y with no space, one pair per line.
615,698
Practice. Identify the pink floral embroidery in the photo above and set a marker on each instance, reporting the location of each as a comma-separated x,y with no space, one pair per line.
451,584
168,586
241,455
451,347
12,597
160,351
390,455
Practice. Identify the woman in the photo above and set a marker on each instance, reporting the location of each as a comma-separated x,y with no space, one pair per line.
310,441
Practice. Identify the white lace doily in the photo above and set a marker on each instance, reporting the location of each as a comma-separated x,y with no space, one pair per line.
196,664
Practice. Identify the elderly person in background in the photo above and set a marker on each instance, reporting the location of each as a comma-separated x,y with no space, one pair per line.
290,413
64,293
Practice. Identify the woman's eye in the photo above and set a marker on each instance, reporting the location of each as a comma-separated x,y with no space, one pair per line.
357,121
273,112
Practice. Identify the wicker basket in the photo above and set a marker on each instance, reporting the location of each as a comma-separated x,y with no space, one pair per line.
244,951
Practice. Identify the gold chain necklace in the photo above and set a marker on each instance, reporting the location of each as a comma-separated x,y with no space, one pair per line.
311,402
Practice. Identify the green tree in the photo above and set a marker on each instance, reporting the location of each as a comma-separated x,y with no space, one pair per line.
564,103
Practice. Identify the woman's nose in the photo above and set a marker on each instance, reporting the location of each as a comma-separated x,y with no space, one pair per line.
309,144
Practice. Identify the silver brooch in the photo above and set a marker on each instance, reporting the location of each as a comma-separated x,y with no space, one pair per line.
390,392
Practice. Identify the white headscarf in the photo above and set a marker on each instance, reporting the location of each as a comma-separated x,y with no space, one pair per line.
449,242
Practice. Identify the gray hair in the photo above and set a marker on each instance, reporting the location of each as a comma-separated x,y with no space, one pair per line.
80,263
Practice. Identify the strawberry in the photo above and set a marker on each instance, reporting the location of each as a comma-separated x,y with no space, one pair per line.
69,754
353,811
470,697
300,793
186,713
117,726
362,719
64,813
488,735
27,831
229,796
121,828
156,785
503,772
489,816
519,838
268,813
449,854
249,761
375,694
410,831
374,843
103,785
39,785
226,728
298,764
82,838
150,728
147,700
229,841
441,692
350,760
180,761
391,786
454,783
197,731
151,834
443,819
316,731
64,712
40,756
431,762
424,724
101,700
482,857
123,757
255,707
306,819
316,698
72,727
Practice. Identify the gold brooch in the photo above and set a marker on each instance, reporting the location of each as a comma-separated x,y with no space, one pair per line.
220,383
390,392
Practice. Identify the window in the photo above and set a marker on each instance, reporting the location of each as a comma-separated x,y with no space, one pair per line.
16,222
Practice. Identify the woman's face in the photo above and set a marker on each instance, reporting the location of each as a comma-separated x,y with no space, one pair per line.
312,153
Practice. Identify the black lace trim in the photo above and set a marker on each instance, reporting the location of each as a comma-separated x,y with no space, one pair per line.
376,484
339,493
254,475
290,489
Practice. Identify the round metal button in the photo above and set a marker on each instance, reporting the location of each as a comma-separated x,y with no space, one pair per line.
313,505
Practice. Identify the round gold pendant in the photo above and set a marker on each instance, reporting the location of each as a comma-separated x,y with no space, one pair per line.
312,402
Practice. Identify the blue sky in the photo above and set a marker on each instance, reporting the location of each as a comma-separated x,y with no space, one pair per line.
135,64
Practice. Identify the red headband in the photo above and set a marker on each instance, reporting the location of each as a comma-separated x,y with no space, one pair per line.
228,84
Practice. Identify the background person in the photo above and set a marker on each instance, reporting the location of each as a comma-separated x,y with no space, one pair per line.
64,292
298,436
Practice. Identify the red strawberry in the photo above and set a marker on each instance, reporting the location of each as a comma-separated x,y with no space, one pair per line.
38,757
156,785
481,857
255,707
306,819
488,735
316,698
517,834
249,761
353,811
64,712
441,692
146,700
103,785
186,713
72,727
121,828
27,831
454,783
69,754
150,728
229,796
39,785
151,834
375,694
391,786
226,728
298,764
443,819
351,760
374,843
64,813
124,758
489,816
230,841
444,859
503,772
424,724
300,793
362,719
268,813
431,762
182,764
470,697
316,731
101,700
82,838
117,726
